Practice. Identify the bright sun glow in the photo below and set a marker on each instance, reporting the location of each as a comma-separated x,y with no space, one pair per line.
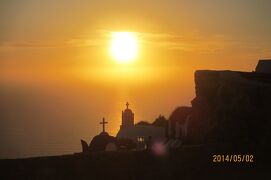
124,47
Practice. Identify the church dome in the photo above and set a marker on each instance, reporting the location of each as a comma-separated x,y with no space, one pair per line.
128,111
104,134
99,142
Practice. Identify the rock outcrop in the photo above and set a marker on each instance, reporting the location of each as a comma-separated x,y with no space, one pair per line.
264,66
231,106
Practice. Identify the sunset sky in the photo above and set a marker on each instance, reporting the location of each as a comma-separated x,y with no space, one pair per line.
58,78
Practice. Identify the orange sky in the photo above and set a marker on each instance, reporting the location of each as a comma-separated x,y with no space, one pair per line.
57,79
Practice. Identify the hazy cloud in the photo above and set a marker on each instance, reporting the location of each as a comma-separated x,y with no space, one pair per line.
189,42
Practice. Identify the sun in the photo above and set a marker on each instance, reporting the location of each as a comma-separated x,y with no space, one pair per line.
124,47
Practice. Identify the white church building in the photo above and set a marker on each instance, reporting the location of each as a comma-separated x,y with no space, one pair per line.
140,134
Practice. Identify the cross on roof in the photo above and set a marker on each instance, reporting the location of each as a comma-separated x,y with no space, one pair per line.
103,123
127,104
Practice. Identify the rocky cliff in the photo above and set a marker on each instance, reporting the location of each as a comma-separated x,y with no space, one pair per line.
232,107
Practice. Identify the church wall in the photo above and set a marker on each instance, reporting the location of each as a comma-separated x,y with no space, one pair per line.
139,131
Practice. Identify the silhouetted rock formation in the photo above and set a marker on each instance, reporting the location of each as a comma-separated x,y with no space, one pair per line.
264,66
231,107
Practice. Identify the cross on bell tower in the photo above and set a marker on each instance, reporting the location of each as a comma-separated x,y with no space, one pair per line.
103,123
127,105
127,117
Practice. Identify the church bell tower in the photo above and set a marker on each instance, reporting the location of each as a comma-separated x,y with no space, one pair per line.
127,117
